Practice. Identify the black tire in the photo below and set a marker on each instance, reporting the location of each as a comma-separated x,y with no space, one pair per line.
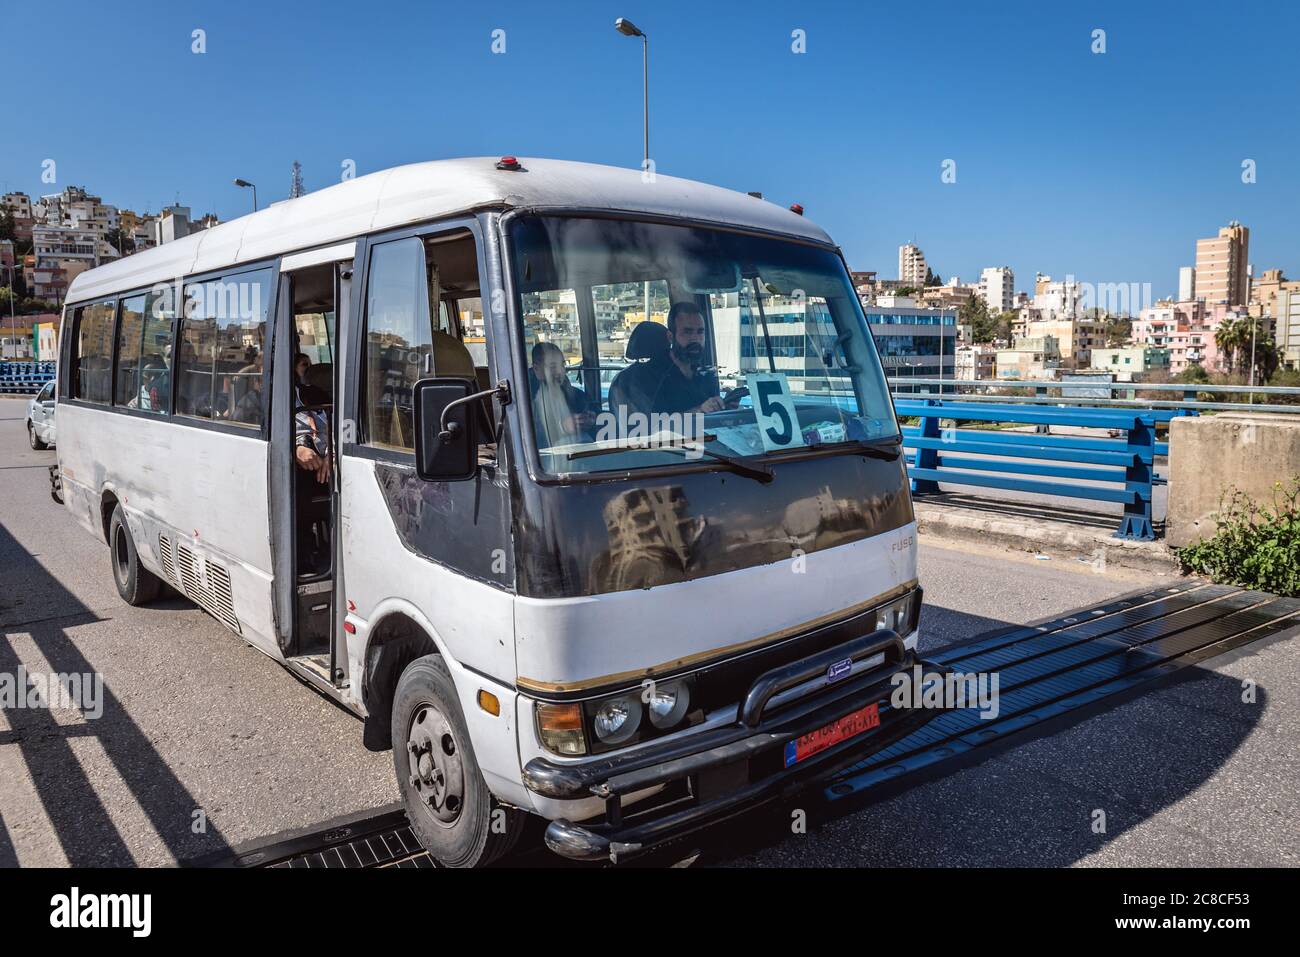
458,821
135,583
36,443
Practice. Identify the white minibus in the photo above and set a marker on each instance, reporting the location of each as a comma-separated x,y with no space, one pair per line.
581,486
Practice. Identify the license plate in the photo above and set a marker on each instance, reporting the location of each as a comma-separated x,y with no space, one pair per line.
841,729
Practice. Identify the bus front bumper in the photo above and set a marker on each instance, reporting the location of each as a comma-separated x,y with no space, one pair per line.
714,775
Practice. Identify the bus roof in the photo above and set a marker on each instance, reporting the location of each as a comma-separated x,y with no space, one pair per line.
424,191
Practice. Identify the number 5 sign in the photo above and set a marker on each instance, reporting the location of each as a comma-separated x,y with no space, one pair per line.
778,424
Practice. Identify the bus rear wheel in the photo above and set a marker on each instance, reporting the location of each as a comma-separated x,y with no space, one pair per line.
135,583
449,805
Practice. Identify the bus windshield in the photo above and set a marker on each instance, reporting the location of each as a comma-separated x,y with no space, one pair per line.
648,344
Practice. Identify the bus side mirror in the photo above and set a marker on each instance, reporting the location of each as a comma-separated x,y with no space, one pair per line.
446,429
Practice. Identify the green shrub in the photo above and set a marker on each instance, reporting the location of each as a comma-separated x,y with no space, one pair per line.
1254,546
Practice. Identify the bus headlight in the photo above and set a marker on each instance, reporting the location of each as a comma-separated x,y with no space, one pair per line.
617,719
668,704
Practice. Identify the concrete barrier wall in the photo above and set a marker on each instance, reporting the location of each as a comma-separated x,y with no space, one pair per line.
1211,452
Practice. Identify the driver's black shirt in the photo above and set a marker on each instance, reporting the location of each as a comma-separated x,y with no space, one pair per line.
661,387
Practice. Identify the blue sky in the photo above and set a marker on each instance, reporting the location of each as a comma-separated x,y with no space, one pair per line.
1105,166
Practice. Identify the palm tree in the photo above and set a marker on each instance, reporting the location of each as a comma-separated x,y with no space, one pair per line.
1229,337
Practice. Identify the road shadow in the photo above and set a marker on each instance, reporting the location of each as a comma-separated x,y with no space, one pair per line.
35,603
995,808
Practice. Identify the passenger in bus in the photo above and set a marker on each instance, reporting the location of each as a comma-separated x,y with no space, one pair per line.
249,406
561,412
309,394
155,384
311,441
312,455
675,380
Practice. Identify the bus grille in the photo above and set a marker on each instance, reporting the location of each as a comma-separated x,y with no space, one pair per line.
216,598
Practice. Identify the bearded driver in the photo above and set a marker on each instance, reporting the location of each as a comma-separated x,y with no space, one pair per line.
675,381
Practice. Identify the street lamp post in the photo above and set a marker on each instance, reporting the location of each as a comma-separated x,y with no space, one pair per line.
245,184
13,323
630,29
1251,395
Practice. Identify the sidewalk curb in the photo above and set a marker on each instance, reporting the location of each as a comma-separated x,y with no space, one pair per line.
1059,540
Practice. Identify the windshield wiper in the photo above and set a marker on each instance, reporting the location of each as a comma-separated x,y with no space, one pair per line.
887,449
758,472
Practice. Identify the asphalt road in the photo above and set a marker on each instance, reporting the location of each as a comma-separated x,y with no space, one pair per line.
205,744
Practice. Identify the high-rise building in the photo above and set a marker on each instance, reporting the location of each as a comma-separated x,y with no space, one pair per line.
912,269
997,288
1286,319
1186,283
1221,266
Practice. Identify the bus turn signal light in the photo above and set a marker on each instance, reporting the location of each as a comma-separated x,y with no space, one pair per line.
489,703
560,727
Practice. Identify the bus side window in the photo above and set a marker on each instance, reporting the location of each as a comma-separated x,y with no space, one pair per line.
92,373
130,326
219,362
156,352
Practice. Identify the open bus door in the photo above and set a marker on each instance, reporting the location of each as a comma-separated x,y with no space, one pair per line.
314,302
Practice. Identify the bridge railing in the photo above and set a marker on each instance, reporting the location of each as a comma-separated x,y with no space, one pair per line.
1069,466
1167,395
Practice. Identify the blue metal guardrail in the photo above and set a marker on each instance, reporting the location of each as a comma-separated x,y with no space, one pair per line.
1000,460
25,377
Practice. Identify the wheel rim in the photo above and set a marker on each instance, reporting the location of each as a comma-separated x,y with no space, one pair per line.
31,435
437,774
121,555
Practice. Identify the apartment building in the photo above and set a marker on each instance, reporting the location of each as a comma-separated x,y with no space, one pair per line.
20,205
1030,358
1132,363
1286,322
951,295
60,254
1057,300
997,288
1076,338
1222,270
912,269
975,361
1184,328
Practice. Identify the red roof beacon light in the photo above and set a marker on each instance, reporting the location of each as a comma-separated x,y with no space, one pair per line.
796,209
509,163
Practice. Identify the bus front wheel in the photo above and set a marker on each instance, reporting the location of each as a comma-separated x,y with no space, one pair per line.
135,583
449,805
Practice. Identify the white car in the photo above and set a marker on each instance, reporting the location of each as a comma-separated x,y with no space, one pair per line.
40,418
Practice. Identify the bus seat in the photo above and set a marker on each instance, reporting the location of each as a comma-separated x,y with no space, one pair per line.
320,375
451,358
649,340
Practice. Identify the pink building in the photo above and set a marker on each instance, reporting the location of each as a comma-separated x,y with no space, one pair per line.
1186,329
